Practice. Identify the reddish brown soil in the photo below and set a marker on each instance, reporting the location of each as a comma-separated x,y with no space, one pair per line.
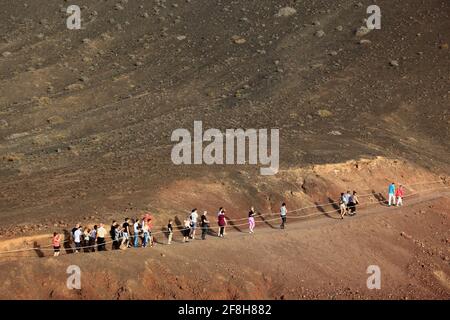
86,118
320,258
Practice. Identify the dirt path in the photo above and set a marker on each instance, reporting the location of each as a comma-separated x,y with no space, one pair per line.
319,258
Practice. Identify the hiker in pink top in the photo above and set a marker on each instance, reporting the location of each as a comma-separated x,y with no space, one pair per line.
251,219
56,242
399,195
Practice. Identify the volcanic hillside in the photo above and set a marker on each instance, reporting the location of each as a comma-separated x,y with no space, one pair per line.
86,115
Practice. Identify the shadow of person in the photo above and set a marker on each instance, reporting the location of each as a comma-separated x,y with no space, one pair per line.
37,249
66,242
321,209
232,224
179,225
265,220
379,197
165,232
210,231
333,204
160,239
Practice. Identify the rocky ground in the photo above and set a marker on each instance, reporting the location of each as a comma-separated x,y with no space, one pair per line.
325,258
86,115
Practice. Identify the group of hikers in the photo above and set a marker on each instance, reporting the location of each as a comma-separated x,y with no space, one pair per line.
138,232
395,195
348,201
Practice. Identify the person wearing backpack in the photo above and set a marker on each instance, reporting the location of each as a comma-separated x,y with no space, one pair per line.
352,202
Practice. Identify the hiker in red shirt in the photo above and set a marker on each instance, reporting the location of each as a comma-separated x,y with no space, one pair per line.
399,195
56,242
222,222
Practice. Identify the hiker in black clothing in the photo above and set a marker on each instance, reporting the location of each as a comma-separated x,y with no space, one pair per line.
114,235
169,232
205,225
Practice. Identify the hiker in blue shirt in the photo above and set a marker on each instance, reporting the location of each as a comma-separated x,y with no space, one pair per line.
391,195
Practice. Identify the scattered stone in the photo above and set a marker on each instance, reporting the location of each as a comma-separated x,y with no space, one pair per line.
394,63
74,86
286,12
364,41
6,54
407,236
316,23
362,31
118,6
335,133
3,123
181,38
443,46
17,135
319,33
238,39
12,157
55,120
323,113
333,53
339,28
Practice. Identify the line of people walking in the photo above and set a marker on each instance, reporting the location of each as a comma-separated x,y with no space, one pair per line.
138,232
